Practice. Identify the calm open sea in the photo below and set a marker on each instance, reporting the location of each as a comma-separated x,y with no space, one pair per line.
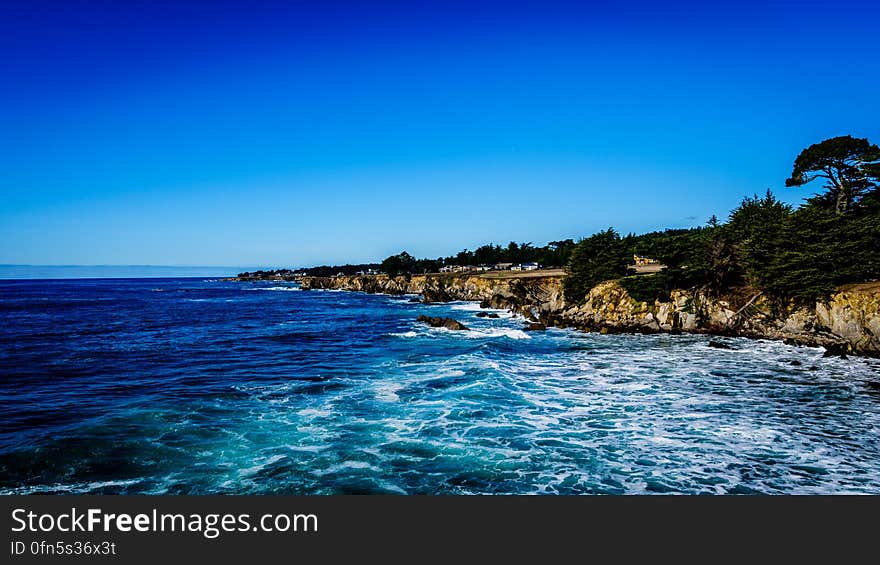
204,386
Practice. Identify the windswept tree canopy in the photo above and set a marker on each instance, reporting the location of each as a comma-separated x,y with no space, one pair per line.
849,165
402,263
600,257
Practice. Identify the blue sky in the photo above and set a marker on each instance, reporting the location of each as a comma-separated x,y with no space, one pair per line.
263,134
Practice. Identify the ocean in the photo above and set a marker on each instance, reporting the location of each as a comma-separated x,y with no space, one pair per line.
204,386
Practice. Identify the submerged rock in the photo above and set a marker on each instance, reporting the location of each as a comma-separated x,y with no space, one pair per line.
836,350
535,327
437,322
487,315
718,345
430,295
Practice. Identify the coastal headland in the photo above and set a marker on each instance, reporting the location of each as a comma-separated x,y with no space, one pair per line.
847,322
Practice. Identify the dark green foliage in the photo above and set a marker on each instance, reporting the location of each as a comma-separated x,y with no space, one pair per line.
684,252
820,250
331,270
648,288
850,167
554,254
427,266
598,258
802,265
757,230
400,264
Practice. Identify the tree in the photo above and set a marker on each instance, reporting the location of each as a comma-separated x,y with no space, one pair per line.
598,258
556,253
850,167
757,230
403,263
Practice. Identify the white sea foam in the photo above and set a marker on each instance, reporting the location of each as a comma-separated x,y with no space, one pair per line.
392,487
467,307
387,392
405,334
511,333
281,288
248,471
306,448
314,413
346,466
77,488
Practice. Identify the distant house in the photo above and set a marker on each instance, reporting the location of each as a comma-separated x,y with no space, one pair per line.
530,266
641,260
502,266
483,268
447,269
517,267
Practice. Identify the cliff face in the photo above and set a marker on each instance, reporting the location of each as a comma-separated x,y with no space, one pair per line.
849,322
531,296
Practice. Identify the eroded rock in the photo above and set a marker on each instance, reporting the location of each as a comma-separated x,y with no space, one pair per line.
438,322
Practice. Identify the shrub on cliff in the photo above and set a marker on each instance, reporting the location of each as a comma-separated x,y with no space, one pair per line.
648,288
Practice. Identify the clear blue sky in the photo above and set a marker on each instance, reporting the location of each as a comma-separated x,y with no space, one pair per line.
261,134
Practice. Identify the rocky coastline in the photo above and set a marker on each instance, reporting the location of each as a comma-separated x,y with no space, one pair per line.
846,323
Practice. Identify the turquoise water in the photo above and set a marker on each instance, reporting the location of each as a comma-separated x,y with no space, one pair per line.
202,386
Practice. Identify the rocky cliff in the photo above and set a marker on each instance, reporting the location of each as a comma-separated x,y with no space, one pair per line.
533,296
848,322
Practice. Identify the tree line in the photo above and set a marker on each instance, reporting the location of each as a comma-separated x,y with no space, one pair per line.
554,254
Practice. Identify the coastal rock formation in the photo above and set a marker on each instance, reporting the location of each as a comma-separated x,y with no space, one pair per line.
848,322
534,296
448,323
